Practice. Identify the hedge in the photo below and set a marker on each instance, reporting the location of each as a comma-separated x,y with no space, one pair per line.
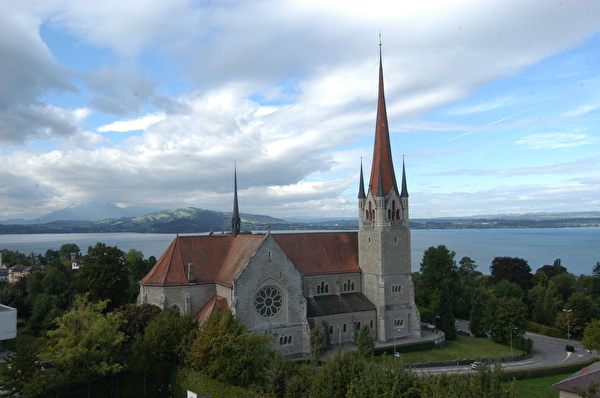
547,371
189,379
412,347
546,330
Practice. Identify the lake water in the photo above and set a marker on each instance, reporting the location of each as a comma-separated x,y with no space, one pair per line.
578,248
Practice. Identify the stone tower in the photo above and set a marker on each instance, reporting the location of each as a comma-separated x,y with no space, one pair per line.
384,238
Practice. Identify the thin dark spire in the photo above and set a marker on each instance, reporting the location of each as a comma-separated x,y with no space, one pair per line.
361,183
235,217
404,193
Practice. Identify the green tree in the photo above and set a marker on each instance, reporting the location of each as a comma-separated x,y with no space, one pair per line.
437,265
468,275
66,250
22,374
104,276
505,317
225,351
46,308
591,335
512,269
86,343
138,267
366,344
477,319
317,343
337,374
160,349
507,289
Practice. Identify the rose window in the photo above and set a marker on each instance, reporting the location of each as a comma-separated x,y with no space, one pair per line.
268,301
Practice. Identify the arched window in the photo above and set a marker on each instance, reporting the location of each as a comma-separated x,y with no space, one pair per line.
358,325
398,214
371,324
344,327
330,329
389,214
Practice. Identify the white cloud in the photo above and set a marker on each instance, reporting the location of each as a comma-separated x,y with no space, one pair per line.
555,140
122,126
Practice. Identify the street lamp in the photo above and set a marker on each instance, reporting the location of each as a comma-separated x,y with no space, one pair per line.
568,324
511,345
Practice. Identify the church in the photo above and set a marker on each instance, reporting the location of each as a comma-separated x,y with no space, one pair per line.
285,284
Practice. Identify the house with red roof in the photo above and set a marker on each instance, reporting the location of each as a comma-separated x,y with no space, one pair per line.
285,284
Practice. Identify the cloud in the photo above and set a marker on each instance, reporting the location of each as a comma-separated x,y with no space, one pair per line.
556,140
286,89
122,126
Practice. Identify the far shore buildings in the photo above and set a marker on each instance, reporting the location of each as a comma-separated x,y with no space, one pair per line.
286,284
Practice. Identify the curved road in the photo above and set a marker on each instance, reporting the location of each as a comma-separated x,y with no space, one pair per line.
547,351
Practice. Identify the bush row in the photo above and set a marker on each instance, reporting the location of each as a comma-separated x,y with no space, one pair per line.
547,371
189,379
418,346
546,330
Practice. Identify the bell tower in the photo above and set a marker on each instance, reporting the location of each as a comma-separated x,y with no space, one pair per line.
384,237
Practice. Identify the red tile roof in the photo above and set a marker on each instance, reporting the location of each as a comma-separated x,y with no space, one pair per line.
211,255
321,253
208,309
221,258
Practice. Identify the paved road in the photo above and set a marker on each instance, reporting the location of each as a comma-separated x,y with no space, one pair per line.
547,351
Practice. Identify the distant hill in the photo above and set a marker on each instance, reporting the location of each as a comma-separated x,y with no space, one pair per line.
91,211
187,220
194,220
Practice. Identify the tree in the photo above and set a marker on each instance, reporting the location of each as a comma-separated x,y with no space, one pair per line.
225,351
104,276
467,285
366,345
86,342
317,343
477,320
437,266
22,374
160,349
138,268
505,317
504,288
512,269
591,335
66,250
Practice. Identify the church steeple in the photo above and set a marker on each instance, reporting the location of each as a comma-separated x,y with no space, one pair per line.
235,217
361,186
382,168
404,193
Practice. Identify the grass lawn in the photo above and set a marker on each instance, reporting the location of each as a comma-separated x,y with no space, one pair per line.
462,347
540,387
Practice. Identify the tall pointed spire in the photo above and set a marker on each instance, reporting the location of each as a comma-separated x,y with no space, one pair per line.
235,217
382,169
404,193
361,186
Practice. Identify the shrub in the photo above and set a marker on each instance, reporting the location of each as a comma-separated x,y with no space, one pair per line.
569,348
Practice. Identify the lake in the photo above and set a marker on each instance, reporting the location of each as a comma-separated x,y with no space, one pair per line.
578,248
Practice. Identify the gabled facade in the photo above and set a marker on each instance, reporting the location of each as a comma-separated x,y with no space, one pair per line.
286,284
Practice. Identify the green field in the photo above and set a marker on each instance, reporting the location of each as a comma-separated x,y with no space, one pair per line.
540,387
462,347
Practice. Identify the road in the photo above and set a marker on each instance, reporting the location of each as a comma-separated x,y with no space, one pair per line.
547,351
